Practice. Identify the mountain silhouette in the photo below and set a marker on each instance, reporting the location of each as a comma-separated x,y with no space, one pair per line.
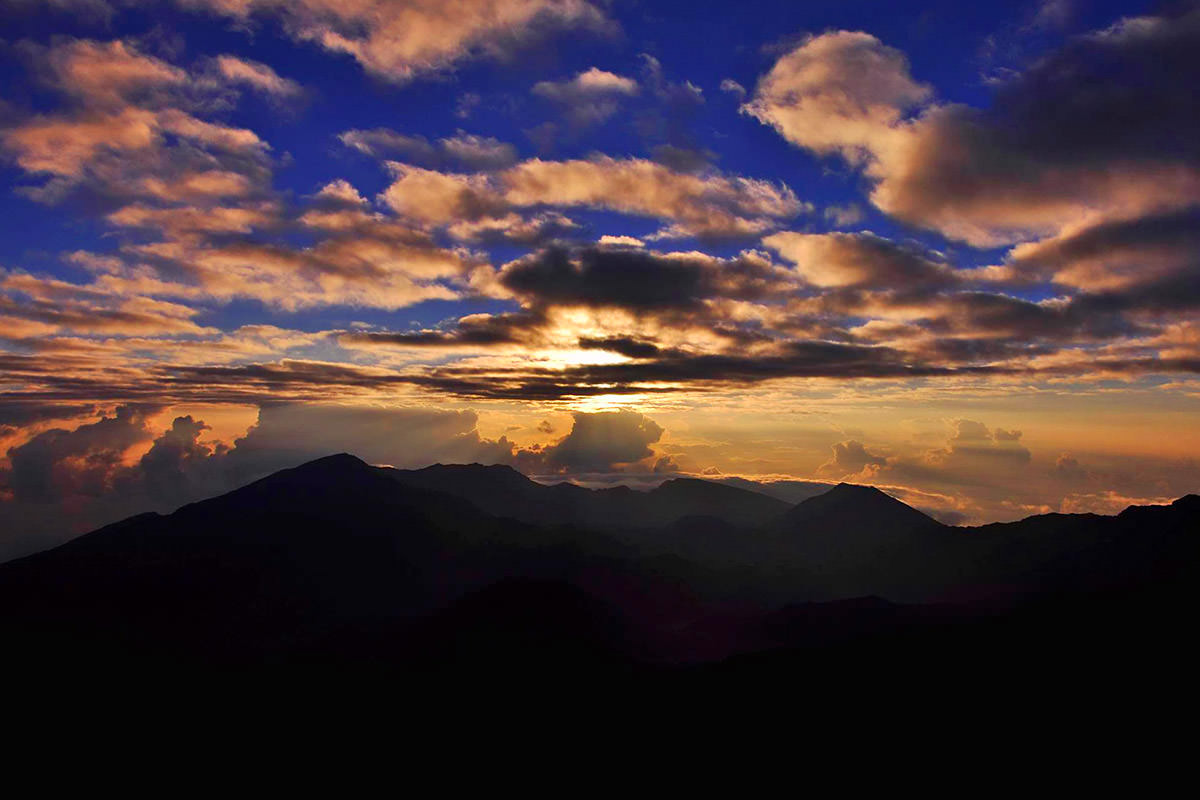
847,506
504,492
338,565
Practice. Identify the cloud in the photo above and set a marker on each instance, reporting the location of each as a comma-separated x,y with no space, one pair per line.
836,260
590,97
483,153
708,204
472,331
608,240
625,345
733,87
1092,132
46,305
60,464
850,457
479,152
398,41
129,129
637,279
603,442
106,74
256,75
1114,255
173,469
844,216
841,92
387,143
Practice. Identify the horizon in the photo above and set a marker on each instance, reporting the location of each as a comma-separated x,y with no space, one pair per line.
948,252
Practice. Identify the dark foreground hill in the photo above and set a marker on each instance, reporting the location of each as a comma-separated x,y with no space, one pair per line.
340,568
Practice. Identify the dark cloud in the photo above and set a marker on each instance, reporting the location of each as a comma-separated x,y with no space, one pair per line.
480,330
625,345
169,469
59,464
637,280
1117,253
1102,128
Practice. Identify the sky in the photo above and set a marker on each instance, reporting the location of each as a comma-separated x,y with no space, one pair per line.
951,250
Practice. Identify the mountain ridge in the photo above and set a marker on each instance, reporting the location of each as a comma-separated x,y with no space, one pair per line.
337,559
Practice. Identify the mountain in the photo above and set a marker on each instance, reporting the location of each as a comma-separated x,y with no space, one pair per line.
504,492
683,497
790,492
855,540
847,506
337,567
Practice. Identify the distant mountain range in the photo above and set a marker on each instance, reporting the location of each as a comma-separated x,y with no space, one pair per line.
340,566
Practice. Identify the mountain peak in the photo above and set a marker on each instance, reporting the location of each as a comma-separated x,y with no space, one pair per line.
490,487
336,465
858,490
1188,501
335,460
492,473
684,483
857,505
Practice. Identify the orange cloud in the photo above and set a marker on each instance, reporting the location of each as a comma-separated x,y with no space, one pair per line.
398,41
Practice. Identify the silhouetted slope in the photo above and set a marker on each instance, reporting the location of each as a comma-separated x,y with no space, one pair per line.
504,492
849,507
857,540
789,491
340,563
682,497
1060,553
330,543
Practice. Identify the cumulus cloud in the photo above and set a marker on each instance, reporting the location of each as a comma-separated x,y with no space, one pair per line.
590,97
841,92
836,260
58,465
712,204
129,128
1043,156
398,41
850,457
603,441
705,204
